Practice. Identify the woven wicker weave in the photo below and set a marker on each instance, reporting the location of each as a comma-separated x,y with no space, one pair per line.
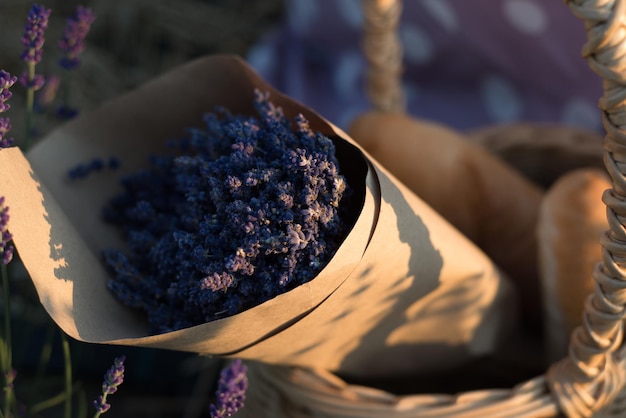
590,381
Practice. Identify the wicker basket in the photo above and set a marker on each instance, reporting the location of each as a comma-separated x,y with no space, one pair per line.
542,153
590,381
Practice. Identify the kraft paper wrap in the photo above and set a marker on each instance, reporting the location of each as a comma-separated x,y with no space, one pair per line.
405,293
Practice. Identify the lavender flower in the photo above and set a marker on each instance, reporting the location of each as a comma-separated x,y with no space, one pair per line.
73,41
72,45
6,249
250,210
112,380
65,112
231,391
33,39
81,171
5,127
6,81
32,82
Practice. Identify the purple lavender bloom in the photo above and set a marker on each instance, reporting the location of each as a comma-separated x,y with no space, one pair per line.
113,163
73,41
6,249
81,171
112,380
33,39
6,81
249,210
114,376
216,282
35,82
231,391
5,127
66,112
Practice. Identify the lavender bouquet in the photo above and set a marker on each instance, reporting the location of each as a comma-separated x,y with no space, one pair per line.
250,209
402,287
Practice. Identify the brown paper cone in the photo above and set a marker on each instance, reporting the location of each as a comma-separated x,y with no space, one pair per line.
405,292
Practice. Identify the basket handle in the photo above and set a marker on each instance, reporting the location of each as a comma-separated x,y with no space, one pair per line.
383,52
594,371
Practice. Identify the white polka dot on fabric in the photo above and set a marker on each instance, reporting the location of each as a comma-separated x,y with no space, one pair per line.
301,14
417,47
525,15
352,12
347,73
443,13
262,58
502,102
581,113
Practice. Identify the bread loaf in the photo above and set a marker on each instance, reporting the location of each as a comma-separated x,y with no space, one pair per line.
572,217
491,203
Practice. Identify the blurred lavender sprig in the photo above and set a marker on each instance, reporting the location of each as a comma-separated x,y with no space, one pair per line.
6,255
72,44
6,249
32,82
33,41
249,211
73,41
112,380
81,171
5,127
6,82
231,391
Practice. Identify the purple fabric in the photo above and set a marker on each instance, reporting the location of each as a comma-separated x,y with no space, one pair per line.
468,63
